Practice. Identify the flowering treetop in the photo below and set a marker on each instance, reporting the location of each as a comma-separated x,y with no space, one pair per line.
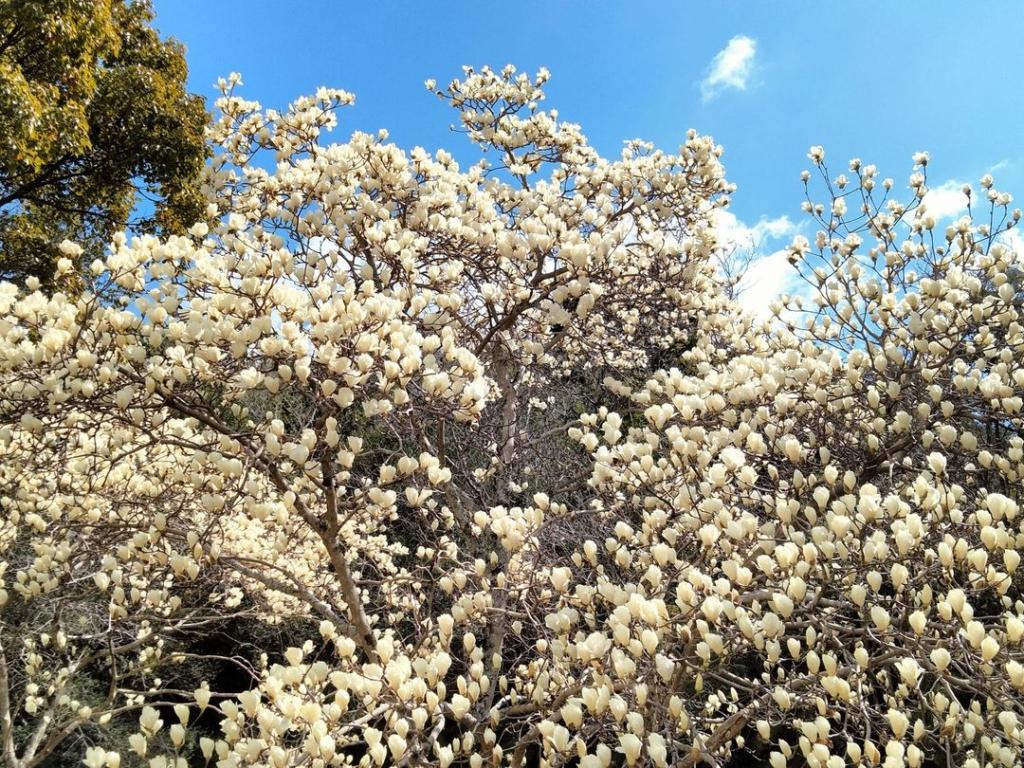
363,394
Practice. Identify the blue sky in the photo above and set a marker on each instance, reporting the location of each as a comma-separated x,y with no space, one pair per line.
867,79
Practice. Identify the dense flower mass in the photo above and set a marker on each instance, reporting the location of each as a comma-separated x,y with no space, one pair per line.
525,486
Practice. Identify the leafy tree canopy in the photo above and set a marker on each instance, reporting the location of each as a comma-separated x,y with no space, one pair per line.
93,113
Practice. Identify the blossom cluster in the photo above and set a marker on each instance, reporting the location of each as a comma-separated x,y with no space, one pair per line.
542,492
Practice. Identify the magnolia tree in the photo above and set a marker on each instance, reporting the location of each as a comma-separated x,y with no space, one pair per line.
498,433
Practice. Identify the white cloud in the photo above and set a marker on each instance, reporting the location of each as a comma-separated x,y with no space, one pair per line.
731,67
1013,240
946,200
734,233
767,276
765,280
321,245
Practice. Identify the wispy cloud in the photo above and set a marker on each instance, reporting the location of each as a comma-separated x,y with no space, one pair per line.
731,67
